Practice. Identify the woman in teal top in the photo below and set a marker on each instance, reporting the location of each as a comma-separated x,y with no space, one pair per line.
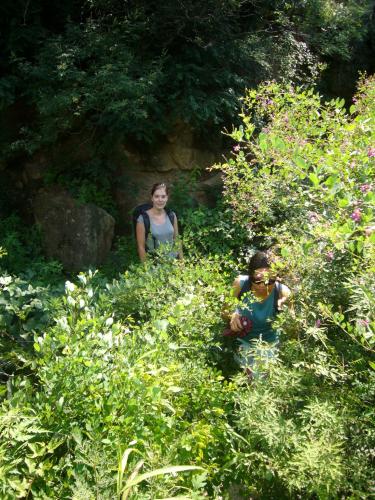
259,306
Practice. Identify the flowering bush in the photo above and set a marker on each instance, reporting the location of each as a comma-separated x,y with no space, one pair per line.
302,176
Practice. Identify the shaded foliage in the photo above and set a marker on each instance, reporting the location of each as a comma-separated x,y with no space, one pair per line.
128,70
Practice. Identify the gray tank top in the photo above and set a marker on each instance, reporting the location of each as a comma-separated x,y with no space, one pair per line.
160,234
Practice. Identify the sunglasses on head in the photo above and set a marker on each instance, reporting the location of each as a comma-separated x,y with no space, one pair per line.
270,281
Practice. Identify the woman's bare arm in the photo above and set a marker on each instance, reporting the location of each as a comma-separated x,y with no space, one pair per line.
141,241
285,294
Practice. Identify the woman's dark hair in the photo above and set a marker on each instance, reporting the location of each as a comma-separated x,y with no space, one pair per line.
159,185
258,260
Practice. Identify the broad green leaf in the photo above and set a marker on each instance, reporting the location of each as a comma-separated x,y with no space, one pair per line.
343,202
314,179
159,472
300,162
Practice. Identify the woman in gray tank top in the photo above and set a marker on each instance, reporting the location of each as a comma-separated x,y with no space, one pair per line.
163,232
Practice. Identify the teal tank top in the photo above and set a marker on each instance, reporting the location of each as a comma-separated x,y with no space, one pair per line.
261,314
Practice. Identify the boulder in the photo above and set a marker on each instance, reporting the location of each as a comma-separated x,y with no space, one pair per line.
79,235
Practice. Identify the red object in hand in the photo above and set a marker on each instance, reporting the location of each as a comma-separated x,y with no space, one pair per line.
246,324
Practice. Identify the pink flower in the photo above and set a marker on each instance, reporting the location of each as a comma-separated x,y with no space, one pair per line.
330,256
371,152
313,217
364,322
236,148
365,188
318,323
356,215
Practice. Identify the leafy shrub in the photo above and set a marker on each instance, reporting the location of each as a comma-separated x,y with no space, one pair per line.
213,231
302,176
134,354
24,255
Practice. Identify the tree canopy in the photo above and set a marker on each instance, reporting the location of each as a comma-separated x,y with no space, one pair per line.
129,69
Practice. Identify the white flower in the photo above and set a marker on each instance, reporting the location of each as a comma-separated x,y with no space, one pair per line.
69,286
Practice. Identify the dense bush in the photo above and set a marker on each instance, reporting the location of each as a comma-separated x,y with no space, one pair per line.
126,364
126,377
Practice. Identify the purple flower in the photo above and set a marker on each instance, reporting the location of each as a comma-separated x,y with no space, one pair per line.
236,148
270,101
364,322
365,188
371,152
313,217
318,323
330,256
356,215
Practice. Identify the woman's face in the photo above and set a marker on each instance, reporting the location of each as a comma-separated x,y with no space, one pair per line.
263,278
159,198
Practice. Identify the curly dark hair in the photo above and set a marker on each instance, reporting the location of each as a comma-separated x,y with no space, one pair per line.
258,260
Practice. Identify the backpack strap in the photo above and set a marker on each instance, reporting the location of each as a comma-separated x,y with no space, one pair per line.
146,222
171,215
246,287
140,210
276,297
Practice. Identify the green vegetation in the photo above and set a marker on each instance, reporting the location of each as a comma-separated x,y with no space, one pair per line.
109,71
107,382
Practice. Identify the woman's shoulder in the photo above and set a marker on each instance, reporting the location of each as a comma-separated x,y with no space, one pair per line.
241,279
284,289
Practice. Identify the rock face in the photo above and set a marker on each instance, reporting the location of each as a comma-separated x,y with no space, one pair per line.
79,235
171,162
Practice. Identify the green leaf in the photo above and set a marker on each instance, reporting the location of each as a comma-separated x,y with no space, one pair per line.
278,143
314,179
343,202
263,141
300,162
161,324
175,389
77,435
160,472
